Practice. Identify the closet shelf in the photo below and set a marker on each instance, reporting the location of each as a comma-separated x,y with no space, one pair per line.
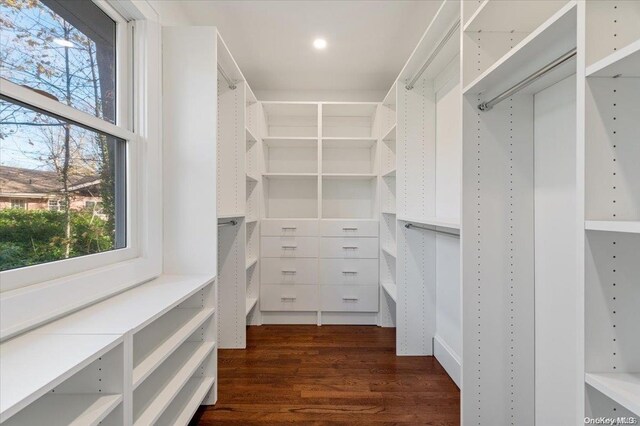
66,409
433,221
230,216
624,388
251,302
195,353
251,219
490,15
390,173
34,363
532,53
624,62
390,135
184,406
268,139
250,137
251,178
250,262
390,98
349,175
289,175
630,226
173,342
391,251
391,289
338,143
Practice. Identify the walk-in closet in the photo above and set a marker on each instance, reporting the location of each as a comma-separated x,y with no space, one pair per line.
319,212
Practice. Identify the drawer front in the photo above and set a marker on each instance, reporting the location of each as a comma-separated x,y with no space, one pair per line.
349,271
289,271
348,298
349,248
284,228
349,228
288,298
289,247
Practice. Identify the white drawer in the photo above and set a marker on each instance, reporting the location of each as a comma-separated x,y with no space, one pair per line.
349,271
349,228
289,247
349,298
289,271
349,248
285,227
288,298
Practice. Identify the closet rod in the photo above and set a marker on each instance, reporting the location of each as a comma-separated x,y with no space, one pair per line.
433,55
229,223
230,82
411,225
486,106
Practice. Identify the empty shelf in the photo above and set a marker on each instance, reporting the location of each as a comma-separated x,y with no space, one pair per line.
34,363
251,178
433,221
251,302
390,135
67,409
624,388
251,262
391,172
391,251
250,137
230,216
184,406
349,175
632,227
624,62
389,212
173,342
391,289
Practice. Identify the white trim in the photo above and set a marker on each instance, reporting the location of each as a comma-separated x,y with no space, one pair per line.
449,360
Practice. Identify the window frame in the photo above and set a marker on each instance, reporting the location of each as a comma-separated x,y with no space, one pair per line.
35,294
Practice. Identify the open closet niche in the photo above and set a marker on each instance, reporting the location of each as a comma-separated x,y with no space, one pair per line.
420,197
520,279
238,206
319,233
612,209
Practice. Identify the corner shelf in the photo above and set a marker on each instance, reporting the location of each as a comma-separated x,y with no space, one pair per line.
624,62
391,289
390,173
251,262
631,226
251,302
623,388
251,178
390,135
391,251
489,16
250,137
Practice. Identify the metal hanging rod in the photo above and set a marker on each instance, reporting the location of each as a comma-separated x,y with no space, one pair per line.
433,55
229,223
231,83
411,225
486,106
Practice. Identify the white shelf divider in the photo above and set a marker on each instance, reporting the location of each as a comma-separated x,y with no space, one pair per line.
164,350
624,388
67,409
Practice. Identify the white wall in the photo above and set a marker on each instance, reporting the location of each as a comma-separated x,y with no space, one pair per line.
171,12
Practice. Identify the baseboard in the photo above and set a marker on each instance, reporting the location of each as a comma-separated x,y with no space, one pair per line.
348,318
289,318
447,358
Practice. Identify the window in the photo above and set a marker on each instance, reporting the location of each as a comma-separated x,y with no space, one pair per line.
18,204
56,154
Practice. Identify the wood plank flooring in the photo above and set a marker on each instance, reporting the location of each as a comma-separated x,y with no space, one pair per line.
329,375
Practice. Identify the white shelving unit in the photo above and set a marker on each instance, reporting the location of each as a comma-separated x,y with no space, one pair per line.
612,209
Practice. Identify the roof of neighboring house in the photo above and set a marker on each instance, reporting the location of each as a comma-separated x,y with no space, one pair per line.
15,180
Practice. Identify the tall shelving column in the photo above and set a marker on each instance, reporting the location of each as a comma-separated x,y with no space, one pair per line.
612,209
388,223
252,224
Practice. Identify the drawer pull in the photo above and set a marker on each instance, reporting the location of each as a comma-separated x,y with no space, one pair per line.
350,299
289,272
350,229
288,298
350,247
289,228
289,247
350,272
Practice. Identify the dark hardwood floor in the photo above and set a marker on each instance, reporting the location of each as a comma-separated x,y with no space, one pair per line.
346,375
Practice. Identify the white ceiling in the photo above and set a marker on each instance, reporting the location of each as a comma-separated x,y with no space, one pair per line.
368,41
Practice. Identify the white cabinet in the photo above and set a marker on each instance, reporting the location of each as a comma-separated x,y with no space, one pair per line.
289,298
349,247
349,272
289,227
349,228
349,298
289,247
289,271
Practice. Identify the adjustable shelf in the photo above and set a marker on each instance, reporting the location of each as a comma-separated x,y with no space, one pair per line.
628,226
524,15
251,178
623,388
348,119
624,62
249,135
391,251
391,289
304,176
186,403
390,173
433,221
251,261
291,119
67,409
390,135
251,303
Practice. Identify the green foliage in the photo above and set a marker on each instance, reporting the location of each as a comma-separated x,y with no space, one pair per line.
29,237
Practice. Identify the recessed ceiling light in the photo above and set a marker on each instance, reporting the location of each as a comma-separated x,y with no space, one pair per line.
320,43
63,42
